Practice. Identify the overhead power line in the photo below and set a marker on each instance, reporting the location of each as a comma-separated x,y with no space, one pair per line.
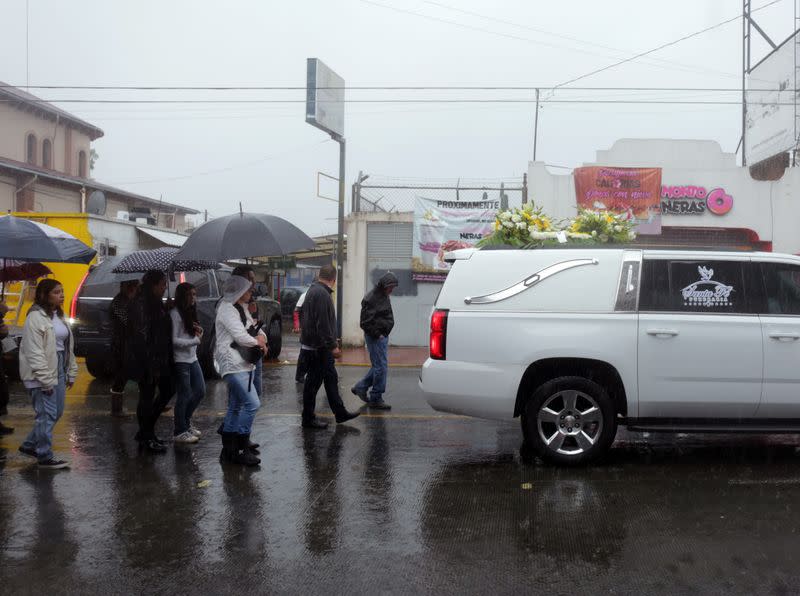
408,101
661,47
372,88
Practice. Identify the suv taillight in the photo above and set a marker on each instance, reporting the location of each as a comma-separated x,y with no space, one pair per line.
439,335
73,307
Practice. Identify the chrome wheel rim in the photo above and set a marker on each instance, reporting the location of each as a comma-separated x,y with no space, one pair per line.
569,422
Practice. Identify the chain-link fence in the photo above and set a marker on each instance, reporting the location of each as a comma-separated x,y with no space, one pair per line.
391,195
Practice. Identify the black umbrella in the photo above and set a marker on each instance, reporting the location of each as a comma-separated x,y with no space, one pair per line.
27,240
160,259
244,235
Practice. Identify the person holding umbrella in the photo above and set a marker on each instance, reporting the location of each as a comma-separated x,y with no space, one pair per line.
47,367
318,339
4,395
118,312
240,344
149,356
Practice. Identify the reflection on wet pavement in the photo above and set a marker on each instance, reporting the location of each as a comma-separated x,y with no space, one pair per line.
405,502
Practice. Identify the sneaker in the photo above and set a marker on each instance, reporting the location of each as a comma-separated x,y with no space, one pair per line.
378,405
195,432
53,464
347,416
362,395
27,451
186,437
315,423
155,446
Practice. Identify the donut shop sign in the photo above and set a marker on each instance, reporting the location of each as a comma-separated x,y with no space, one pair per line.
694,200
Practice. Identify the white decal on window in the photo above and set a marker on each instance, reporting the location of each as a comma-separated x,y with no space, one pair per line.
706,292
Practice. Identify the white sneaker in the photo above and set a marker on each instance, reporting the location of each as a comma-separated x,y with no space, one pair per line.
195,432
186,437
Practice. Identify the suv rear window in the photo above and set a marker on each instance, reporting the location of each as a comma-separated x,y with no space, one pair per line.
693,286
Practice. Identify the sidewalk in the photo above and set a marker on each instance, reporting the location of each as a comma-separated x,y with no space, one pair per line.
412,357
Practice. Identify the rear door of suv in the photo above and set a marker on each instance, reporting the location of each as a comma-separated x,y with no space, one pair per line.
780,320
699,346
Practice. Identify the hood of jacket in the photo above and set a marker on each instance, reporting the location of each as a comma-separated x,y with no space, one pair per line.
234,288
389,280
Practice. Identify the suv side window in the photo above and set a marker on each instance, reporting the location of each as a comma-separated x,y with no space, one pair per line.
698,286
199,279
222,277
782,288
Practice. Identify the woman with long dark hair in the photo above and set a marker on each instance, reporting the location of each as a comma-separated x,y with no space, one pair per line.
186,336
149,356
48,368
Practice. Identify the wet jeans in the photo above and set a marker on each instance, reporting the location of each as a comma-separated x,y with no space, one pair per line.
49,409
321,369
243,403
376,376
191,388
258,376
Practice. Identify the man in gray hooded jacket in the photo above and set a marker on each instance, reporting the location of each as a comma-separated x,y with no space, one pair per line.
377,322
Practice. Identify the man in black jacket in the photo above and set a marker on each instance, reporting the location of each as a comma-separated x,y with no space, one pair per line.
377,321
318,340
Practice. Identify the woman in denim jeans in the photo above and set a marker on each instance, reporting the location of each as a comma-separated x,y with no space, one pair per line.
186,336
47,368
234,330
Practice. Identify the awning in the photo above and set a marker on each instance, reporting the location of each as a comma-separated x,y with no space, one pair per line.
168,238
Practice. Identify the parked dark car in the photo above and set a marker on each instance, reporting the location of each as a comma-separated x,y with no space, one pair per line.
288,299
92,325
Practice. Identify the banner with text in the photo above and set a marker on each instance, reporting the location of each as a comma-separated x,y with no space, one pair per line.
443,226
633,191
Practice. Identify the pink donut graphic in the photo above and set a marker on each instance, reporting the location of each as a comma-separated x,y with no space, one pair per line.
718,202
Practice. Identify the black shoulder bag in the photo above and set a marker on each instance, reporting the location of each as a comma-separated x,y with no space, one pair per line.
250,354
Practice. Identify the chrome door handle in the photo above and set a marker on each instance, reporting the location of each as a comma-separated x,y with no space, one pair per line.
785,336
662,332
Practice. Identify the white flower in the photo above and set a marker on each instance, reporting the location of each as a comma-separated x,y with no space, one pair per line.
544,235
505,215
508,224
522,225
516,218
617,228
578,235
594,233
632,235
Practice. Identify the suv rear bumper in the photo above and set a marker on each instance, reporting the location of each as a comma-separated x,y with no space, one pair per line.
94,346
470,388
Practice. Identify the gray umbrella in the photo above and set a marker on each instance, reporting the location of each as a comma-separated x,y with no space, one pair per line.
27,240
244,235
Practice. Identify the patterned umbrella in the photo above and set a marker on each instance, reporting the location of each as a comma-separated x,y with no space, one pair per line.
12,270
160,259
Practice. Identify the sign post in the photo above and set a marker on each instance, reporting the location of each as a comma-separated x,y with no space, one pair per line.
325,110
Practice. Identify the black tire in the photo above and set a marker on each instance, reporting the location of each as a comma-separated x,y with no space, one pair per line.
206,358
98,367
275,338
579,425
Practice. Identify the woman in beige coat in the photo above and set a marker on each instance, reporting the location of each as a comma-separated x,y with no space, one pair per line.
47,368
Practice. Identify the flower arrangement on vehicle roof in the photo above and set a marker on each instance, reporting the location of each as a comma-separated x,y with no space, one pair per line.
530,227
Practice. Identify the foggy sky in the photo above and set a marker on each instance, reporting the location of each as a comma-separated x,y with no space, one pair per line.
271,155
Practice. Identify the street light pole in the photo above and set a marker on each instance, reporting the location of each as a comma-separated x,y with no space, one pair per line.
340,239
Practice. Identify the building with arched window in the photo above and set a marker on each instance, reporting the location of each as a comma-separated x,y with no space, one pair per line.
47,154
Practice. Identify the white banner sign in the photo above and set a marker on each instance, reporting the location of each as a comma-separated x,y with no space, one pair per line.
771,105
443,226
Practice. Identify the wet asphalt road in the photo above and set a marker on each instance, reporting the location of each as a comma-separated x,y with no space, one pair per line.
404,502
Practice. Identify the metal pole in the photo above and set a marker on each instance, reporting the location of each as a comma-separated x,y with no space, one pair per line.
536,125
340,241
745,42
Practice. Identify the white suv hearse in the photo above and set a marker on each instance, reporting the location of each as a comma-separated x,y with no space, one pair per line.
577,341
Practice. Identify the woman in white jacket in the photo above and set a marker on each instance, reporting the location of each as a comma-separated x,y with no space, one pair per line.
47,367
191,387
234,326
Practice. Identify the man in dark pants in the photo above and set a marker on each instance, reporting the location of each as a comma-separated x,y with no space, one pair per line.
4,430
149,356
318,339
118,312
